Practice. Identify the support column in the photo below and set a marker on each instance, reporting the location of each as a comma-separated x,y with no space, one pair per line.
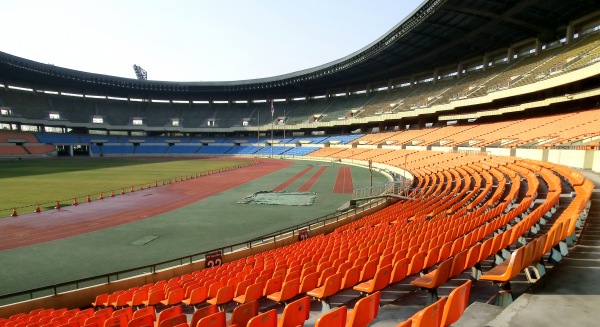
486,61
569,36
510,54
71,150
538,46
436,74
459,69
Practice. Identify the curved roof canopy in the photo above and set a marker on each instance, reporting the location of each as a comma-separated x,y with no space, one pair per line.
439,33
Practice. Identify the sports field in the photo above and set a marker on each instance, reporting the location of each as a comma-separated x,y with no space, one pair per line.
178,219
27,183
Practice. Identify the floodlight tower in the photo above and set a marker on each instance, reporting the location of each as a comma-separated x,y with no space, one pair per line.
140,73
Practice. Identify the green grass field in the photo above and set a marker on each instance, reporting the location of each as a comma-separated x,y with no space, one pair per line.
27,183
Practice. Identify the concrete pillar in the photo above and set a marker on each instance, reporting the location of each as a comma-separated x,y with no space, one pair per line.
486,61
538,46
569,36
509,55
71,150
436,74
459,69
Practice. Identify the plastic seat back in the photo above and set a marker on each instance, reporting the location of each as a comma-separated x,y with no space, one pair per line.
333,318
98,320
168,313
273,285
351,277
472,256
155,296
106,312
197,295
174,321
141,321
224,295
295,313
267,319
127,312
288,291
456,304
365,311
138,298
217,319
432,257
175,296
100,300
203,312
416,263
458,264
332,285
241,287
253,293
381,278
431,315
243,313
120,320
309,282
368,270
399,270
145,311
214,288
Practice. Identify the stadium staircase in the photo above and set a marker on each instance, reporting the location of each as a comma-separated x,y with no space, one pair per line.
573,283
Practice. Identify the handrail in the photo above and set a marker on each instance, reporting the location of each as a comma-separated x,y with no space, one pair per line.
52,290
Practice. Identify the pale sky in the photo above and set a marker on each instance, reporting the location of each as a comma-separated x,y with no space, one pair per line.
195,40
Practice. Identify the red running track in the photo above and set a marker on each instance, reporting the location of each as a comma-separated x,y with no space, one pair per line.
312,180
69,221
343,182
287,183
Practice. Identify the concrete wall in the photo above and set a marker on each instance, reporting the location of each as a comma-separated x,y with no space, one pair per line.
571,158
499,151
533,154
441,148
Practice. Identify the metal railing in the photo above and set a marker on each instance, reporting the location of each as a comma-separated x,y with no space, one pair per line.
52,290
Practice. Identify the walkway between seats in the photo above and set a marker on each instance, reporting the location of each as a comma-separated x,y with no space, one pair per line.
570,294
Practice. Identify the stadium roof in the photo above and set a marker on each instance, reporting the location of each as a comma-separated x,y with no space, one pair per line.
439,33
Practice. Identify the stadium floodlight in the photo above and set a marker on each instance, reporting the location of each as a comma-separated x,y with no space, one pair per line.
140,72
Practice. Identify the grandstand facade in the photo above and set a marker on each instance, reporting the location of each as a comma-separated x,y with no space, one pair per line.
484,103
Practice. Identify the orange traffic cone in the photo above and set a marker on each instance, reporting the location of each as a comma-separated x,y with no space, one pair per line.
89,199
14,214
57,205
75,201
101,196
37,209
112,193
